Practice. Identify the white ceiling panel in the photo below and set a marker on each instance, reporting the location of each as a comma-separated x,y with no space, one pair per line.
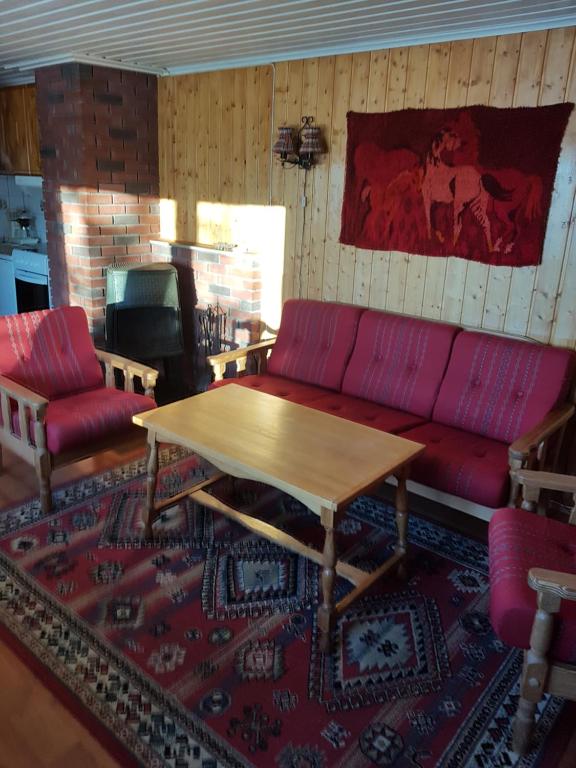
177,36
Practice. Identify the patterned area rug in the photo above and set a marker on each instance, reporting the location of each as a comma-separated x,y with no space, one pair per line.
203,650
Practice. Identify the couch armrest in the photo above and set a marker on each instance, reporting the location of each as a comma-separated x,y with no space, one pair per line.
551,423
240,357
530,449
130,368
31,408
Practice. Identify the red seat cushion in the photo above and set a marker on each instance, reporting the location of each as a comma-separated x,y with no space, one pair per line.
399,361
50,352
314,342
466,465
501,388
294,391
89,416
365,412
519,540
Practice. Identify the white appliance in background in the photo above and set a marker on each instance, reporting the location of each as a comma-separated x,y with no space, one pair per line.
31,280
34,182
8,304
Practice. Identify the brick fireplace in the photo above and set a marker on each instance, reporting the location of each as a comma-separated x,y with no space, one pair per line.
99,151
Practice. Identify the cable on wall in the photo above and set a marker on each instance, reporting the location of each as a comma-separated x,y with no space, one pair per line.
271,133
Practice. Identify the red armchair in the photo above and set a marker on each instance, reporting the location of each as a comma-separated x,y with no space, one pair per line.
56,405
533,595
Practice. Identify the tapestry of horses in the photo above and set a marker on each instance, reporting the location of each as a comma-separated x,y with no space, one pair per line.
474,182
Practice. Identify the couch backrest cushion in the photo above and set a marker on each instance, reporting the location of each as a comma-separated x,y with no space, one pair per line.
399,361
499,387
50,352
314,342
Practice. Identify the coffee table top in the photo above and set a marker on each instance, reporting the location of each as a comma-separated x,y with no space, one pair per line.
320,459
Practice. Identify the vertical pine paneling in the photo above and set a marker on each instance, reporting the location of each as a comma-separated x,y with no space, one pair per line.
377,92
557,67
416,77
528,82
502,94
456,93
481,72
337,159
397,72
215,133
436,87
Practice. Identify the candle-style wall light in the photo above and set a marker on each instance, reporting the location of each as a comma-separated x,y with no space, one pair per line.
301,149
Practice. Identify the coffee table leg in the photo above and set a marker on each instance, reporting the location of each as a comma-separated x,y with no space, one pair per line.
326,610
151,479
401,521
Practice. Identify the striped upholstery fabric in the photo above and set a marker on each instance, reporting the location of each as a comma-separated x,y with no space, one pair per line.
499,387
314,342
90,416
517,541
50,352
471,466
399,361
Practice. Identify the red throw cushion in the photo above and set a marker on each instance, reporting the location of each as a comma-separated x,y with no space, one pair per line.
501,388
50,352
89,416
473,467
290,390
314,342
365,412
520,540
399,361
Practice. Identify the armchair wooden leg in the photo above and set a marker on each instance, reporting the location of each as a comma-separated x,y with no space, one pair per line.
1,464
535,671
43,467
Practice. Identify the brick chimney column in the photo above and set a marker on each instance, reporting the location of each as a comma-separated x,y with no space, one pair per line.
99,152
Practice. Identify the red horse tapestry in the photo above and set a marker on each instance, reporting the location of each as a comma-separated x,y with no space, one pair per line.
473,182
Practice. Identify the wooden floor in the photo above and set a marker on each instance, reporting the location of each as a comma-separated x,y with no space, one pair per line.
35,729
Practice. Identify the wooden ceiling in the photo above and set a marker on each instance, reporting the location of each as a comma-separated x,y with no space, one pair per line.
177,36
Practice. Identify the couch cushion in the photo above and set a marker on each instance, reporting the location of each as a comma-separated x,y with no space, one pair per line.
365,412
518,541
50,352
89,416
294,391
499,387
467,465
399,361
314,342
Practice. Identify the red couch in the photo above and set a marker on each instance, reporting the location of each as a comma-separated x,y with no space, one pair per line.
481,403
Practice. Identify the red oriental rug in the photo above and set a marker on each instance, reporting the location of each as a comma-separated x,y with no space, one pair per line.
203,650
473,182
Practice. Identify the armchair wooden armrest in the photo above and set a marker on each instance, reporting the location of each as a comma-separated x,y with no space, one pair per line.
557,583
31,413
130,368
240,357
550,481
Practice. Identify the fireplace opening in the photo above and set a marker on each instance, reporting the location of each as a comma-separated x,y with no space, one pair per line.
144,321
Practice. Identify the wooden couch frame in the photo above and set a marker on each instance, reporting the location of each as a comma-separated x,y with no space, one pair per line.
30,443
534,450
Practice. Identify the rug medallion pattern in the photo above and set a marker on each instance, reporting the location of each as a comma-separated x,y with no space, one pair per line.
202,650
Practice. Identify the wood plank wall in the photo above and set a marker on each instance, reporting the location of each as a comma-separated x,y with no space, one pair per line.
215,134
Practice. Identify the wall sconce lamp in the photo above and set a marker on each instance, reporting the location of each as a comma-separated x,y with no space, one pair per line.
300,150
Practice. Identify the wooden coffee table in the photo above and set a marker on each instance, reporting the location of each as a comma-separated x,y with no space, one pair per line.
321,460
